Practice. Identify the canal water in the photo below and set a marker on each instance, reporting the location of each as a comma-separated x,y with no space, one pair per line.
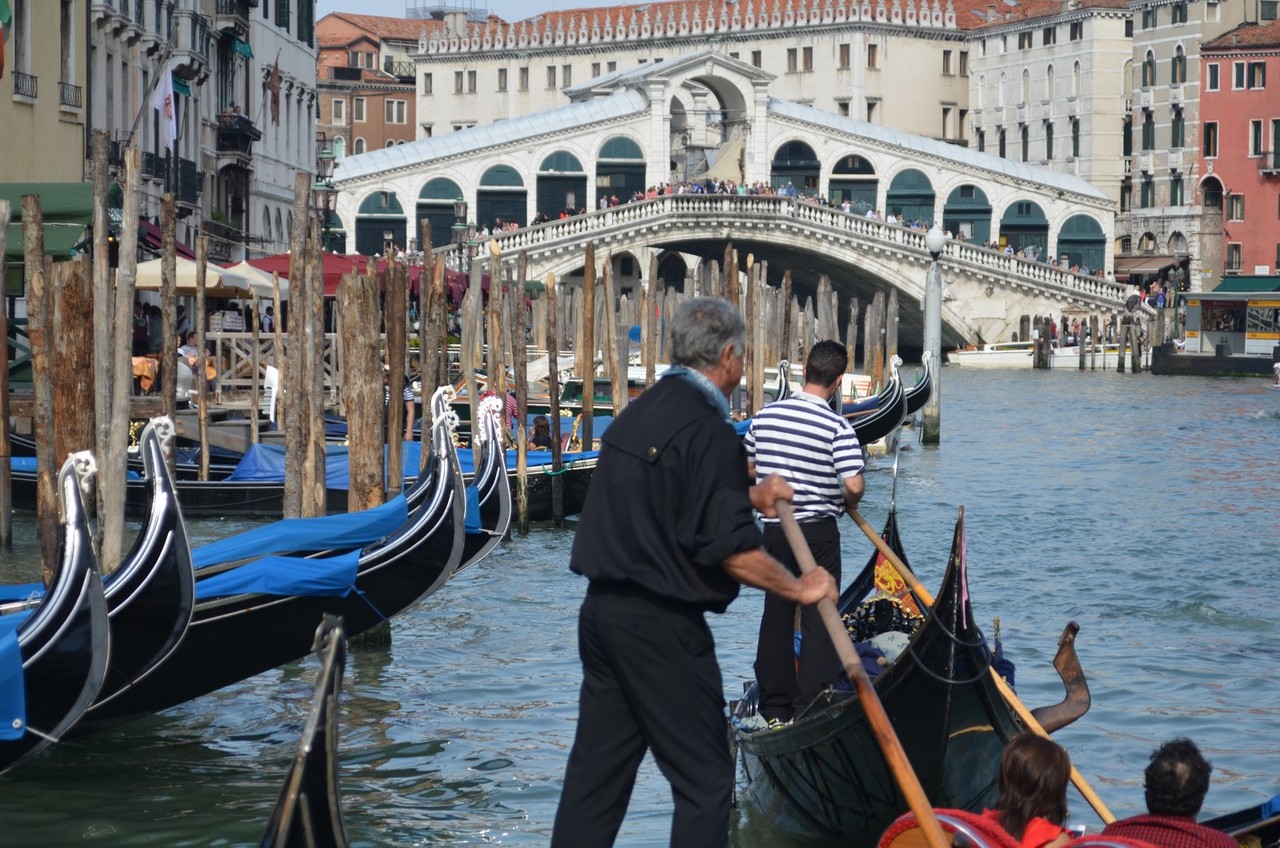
1141,507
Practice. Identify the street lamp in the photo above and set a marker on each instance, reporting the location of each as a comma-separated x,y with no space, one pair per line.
931,427
324,197
459,232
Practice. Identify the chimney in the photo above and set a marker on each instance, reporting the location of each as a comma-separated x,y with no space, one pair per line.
455,23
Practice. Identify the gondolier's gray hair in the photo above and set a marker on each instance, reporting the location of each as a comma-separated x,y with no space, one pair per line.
700,329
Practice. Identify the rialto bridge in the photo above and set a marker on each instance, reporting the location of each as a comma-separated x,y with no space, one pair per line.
631,131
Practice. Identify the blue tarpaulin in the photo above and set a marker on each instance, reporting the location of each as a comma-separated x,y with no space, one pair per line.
13,692
264,463
277,575
27,465
21,592
348,530
539,460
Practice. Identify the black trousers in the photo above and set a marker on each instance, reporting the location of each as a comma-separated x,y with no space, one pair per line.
784,689
650,682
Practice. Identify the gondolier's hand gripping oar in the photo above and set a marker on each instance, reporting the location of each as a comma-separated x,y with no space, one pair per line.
871,706
1077,779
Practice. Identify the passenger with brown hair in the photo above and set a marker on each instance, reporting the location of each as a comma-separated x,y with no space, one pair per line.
1032,787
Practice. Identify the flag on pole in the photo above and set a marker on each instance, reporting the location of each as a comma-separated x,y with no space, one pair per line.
6,24
273,86
162,101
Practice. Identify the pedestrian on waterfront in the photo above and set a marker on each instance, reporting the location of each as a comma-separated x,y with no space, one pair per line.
816,451
184,323
155,330
1031,804
667,534
268,324
1177,779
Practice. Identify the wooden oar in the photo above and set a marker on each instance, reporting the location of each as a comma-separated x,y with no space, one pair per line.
1077,779
885,735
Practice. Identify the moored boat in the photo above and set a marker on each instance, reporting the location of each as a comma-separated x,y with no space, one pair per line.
308,813
258,592
53,656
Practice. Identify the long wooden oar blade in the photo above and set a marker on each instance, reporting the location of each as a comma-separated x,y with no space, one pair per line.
885,735
1077,779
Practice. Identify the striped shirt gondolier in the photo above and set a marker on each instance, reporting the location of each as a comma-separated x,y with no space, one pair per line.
812,447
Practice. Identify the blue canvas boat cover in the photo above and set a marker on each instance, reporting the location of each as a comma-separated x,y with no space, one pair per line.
21,592
280,575
264,463
348,530
539,460
27,465
13,692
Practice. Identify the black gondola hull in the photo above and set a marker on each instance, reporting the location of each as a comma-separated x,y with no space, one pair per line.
824,778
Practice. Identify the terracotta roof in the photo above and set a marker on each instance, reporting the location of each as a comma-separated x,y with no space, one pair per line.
980,14
395,29
1246,35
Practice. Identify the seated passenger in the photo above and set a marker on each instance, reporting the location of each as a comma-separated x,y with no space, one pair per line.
1032,786
1177,779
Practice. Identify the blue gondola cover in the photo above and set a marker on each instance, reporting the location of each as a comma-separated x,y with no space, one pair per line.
13,693
279,575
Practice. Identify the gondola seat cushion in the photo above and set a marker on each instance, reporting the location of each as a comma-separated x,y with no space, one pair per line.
966,829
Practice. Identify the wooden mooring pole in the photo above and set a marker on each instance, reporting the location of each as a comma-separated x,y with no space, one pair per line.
396,322
520,368
6,477
587,318
362,389
553,389
35,272
202,319
104,331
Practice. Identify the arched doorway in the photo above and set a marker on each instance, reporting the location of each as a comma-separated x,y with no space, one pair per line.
1025,226
1211,193
1082,243
435,204
380,220
333,234
911,197
968,213
672,271
854,178
501,198
562,184
620,170
797,164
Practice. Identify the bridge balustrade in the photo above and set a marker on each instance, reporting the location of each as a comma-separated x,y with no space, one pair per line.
559,235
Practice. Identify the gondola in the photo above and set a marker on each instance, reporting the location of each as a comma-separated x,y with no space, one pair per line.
308,813
918,395
1261,821
823,777
258,592
877,417
53,656
488,493
151,594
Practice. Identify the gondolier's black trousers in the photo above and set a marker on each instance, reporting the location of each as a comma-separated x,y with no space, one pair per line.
784,689
650,682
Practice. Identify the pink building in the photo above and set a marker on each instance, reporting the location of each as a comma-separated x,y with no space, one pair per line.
1240,146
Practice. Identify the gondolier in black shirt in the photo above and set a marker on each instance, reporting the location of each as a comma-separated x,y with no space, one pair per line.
667,534
817,452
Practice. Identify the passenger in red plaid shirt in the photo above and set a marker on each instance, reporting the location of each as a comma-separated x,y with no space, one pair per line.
1177,780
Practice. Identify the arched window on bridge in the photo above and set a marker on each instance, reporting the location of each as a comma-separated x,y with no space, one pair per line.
562,185
501,198
1082,242
1024,226
435,204
968,214
911,197
380,220
620,170
797,164
853,177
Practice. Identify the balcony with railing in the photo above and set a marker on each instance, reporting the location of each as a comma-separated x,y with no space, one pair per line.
234,15
24,85
191,46
236,135
399,70
70,95
1269,163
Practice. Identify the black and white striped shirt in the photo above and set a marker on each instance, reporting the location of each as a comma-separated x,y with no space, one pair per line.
813,448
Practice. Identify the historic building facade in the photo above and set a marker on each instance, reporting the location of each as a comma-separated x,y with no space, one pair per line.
1240,153
365,77
243,74
902,64
1047,85
43,107
1166,223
